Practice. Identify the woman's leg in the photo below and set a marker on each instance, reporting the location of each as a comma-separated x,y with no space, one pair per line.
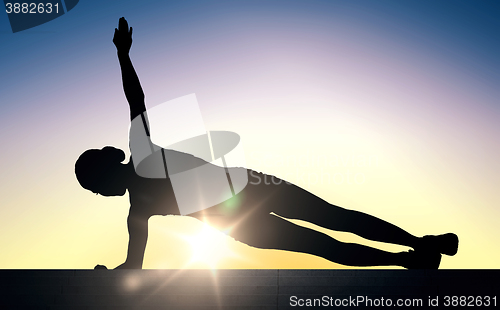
296,203
272,232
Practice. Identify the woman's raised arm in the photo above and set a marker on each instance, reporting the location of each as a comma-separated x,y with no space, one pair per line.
131,85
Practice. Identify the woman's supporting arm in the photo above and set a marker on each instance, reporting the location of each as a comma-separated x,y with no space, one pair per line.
138,237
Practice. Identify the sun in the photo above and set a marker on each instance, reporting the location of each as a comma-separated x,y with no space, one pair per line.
209,246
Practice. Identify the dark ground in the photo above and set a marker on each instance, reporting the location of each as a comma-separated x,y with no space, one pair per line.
244,289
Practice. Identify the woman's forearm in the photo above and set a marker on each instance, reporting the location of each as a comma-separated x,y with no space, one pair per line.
131,86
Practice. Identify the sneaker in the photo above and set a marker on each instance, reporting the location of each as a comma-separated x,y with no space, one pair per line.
422,260
445,244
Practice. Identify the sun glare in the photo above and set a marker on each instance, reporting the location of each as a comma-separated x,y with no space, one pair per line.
208,247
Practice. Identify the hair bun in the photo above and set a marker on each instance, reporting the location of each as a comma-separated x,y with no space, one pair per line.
114,153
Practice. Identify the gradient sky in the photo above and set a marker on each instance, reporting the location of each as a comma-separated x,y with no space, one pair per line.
386,107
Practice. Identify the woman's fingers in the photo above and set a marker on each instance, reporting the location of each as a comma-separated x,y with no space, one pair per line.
122,24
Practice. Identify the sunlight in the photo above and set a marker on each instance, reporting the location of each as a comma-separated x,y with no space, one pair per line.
208,246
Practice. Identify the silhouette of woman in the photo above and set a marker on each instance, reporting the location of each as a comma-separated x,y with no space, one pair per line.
102,172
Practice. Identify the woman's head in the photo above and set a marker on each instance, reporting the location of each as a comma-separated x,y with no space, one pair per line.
102,172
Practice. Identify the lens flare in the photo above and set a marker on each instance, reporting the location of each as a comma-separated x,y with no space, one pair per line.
209,246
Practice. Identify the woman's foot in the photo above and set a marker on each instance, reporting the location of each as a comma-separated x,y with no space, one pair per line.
444,244
421,260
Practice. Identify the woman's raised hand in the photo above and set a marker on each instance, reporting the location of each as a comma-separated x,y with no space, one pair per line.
123,36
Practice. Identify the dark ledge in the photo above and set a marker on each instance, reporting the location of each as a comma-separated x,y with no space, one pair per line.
243,289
